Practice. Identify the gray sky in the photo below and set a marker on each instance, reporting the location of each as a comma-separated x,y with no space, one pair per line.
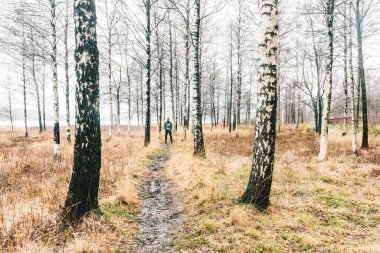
219,23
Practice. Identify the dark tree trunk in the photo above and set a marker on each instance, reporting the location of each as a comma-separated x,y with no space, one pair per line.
37,87
148,74
43,94
231,85
362,82
26,134
82,196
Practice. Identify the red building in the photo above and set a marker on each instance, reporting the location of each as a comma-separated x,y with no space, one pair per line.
340,121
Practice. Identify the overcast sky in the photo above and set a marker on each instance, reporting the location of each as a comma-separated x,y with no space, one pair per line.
219,23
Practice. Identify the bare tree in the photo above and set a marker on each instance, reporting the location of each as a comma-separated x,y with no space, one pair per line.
354,115
7,110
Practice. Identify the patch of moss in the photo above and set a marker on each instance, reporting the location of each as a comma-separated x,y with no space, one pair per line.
192,244
117,211
374,221
284,235
266,247
208,228
365,208
253,234
329,221
334,200
333,181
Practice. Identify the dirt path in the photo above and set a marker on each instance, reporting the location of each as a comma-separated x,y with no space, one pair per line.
160,211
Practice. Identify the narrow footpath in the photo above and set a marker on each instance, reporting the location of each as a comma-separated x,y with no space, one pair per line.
160,216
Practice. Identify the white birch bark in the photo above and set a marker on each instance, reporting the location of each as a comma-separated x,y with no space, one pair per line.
345,82
67,79
260,181
199,149
328,83
57,144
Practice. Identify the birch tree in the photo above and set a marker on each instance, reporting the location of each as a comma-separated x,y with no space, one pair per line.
239,62
66,24
54,62
260,181
7,110
148,33
330,6
82,195
199,149
345,81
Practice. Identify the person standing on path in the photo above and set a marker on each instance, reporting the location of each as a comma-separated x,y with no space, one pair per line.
168,130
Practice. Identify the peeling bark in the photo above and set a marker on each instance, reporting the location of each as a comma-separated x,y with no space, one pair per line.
328,85
82,196
199,149
260,181
57,141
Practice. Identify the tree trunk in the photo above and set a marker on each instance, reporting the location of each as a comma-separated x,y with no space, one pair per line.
110,100
177,112
361,77
67,87
328,85
43,93
354,115
172,90
37,87
82,196
345,82
186,93
57,141
138,95
10,112
118,96
319,95
239,64
199,149
231,85
148,73
129,99
160,77
260,181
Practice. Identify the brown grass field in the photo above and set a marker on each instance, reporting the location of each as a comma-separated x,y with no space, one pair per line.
330,206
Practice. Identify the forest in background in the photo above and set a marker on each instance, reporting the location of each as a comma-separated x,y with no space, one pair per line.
292,85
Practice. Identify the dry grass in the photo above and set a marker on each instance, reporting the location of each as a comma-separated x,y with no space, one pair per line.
33,186
330,206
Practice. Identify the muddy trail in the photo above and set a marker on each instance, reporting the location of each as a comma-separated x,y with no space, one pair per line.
160,216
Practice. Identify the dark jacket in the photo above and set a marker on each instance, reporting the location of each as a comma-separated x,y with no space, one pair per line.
168,126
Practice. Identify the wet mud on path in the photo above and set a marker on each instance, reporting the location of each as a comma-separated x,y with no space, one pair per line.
160,216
